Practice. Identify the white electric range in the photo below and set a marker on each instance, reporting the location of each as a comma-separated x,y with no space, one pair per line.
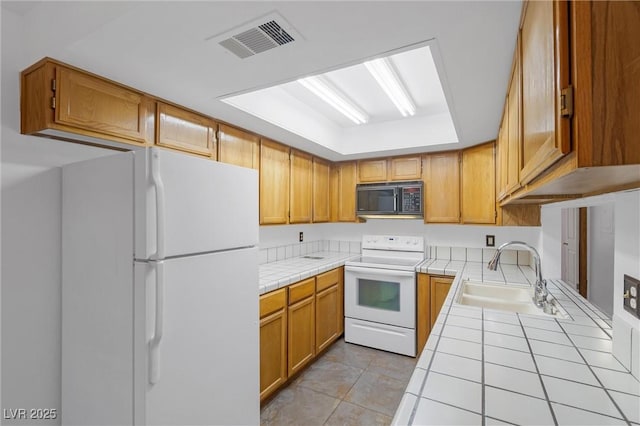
380,293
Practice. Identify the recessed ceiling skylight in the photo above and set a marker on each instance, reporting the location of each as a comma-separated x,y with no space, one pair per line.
391,103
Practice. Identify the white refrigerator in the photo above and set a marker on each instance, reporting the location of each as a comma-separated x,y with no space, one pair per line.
159,291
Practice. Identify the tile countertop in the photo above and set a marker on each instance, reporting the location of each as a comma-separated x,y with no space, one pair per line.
284,272
482,366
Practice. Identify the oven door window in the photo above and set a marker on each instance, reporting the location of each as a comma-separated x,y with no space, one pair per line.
379,294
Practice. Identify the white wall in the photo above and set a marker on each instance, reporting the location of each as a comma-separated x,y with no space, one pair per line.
626,252
601,251
31,285
30,229
444,235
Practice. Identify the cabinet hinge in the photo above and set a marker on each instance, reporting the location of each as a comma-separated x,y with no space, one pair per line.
53,102
53,84
566,102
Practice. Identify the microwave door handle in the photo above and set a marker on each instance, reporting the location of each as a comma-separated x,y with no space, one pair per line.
395,200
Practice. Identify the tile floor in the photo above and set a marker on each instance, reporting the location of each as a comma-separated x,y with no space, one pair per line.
348,385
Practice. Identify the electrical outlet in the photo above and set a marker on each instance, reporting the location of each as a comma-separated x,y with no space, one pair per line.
301,237
631,295
490,240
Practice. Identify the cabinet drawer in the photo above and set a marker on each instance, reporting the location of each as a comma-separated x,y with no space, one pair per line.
328,279
273,301
301,290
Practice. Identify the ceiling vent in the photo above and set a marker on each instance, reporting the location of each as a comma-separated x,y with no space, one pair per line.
256,40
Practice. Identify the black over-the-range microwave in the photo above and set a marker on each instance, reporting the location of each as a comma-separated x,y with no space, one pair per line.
392,199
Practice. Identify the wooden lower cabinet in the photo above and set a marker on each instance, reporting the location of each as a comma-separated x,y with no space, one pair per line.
432,291
297,323
273,341
329,317
301,325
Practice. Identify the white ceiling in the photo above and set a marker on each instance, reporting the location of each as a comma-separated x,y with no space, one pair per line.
167,49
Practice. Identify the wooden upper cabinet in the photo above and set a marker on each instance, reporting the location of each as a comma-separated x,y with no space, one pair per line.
301,195
343,192
606,54
185,131
372,170
442,187
60,98
513,131
545,73
502,160
274,183
406,168
477,189
321,203
238,147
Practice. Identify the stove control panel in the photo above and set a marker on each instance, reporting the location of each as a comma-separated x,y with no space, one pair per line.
393,242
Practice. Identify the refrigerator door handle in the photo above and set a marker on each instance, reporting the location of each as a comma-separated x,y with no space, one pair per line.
160,204
154,344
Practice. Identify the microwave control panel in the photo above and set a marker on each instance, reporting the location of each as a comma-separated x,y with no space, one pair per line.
411,199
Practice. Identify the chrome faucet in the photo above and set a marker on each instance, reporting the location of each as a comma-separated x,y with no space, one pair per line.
540,293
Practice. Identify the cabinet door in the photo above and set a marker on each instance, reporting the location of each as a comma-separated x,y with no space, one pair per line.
423,326
372,170
328,312
439,289
326,317
185,131
514,127
96,105
301,334
300,197
274,183
321,209
545,72
502,145
442,187
478,189
238,147
273,342
406,168
346,186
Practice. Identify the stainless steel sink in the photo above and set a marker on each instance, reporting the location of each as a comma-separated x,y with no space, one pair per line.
313,257
505,297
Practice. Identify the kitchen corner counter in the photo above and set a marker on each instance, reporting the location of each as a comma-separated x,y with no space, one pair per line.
278,274
484,366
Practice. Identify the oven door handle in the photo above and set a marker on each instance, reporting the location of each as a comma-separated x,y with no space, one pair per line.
380,272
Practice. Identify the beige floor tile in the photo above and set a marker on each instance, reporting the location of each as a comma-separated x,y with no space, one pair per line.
350,354
348,414
348,385
393,365
329,377
377,392
297,405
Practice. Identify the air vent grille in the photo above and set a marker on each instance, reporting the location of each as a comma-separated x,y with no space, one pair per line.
276,32
257,40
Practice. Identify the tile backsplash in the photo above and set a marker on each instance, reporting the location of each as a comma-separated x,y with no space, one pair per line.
508,257
282,252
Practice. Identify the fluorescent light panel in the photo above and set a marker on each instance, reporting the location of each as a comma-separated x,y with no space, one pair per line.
324,91
389,81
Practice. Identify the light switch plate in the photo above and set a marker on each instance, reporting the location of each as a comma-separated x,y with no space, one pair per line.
490,240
